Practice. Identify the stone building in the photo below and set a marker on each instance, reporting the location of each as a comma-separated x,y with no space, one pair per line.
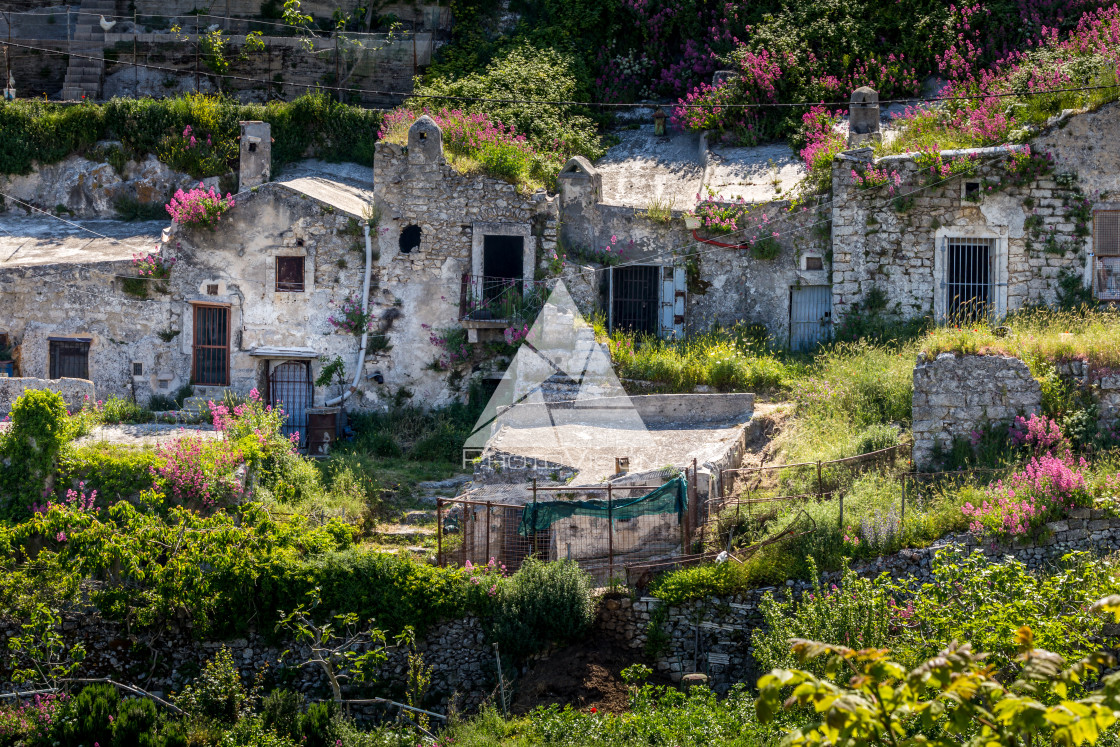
988,232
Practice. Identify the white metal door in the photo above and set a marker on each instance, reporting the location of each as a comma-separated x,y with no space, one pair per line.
672,302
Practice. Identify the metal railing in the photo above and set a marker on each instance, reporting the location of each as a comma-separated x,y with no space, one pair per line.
487,299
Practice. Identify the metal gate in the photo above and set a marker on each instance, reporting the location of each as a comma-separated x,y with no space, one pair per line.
968,278
810,316
211,346
290,388
635,298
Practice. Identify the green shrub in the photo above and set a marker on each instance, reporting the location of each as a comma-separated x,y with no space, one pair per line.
319,726
89,716
280,712
119,410
217,693
162,403
116,472
543,602
134,721
29,450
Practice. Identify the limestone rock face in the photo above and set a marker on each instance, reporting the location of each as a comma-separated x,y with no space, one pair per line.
89,189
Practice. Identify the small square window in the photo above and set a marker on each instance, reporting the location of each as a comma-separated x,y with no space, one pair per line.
137,368
212,289
289,274
971,191
814,263
163,384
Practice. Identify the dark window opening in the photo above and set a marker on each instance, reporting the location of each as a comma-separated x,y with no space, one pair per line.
503,257
289,274
968,278
814,263
211,346
164,384
212,289
635,298
972,190
137,369
69,359
410,239
252,147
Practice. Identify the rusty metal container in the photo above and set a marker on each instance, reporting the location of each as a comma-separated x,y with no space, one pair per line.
322,430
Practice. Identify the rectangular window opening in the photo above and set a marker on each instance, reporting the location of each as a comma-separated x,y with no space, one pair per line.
1106,250
635,298
69,359
968,278
210,365
289,274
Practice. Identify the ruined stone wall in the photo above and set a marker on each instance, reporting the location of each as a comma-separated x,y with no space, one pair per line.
86,301
453,212
957,395
880,242
75,392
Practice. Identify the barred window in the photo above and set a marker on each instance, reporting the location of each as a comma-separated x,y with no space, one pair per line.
289,274
1106,247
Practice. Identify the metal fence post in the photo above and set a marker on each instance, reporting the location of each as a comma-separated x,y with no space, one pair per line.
820,481
439,532
534,527
610,534
841,512
488,526
902,519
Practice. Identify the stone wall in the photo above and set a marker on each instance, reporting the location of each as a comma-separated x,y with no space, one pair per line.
462,661
899,248
1102,385
85,301
75,392
955,396
715,634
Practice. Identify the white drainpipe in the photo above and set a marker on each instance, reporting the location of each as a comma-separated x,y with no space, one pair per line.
365,333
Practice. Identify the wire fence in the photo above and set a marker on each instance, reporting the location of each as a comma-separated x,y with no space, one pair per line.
604,528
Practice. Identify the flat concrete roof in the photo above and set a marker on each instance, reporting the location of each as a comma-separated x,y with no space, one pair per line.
42,240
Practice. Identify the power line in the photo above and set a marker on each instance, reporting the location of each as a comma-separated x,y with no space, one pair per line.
604,104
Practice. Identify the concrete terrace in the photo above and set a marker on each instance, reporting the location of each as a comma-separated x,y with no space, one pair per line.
41,240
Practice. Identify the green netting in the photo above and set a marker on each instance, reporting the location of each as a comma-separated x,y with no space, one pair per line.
672,497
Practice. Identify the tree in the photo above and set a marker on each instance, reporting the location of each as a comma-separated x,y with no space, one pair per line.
952,699
39,654
344,649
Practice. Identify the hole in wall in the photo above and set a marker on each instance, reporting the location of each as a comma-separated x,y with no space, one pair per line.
410,239
971,190
814,263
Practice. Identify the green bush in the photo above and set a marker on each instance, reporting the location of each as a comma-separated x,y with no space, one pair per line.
319,727
116,472
217,694
89,716
280,712
134,721
29,450
543,602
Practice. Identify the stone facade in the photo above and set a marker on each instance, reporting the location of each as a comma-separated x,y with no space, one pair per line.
957,395
895,241
724,286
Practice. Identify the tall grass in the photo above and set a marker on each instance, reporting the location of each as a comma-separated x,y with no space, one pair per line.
1037,334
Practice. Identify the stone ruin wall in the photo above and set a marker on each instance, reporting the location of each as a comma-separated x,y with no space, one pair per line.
955,396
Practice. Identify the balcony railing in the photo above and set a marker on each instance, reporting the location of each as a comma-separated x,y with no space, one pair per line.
506,300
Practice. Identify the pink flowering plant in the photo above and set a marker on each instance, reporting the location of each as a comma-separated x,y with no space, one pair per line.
199,207
613,252
200,154
348,317
201,474
152,265
30,721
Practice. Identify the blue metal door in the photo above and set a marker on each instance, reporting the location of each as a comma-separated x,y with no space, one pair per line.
810,316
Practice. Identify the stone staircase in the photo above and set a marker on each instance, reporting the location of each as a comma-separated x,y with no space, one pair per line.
84,75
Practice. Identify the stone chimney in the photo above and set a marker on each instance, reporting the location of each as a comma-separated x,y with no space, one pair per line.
256,154
863,117
425,141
